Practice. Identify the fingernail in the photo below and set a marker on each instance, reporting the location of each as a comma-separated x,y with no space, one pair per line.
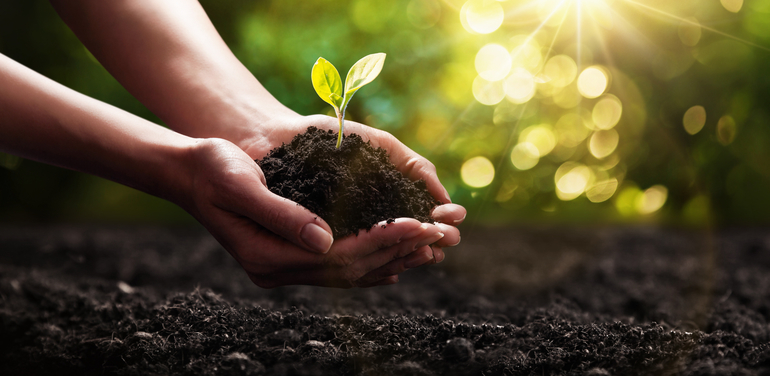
446,195
461,219
429,240
316,238
418,259
415,232
440,257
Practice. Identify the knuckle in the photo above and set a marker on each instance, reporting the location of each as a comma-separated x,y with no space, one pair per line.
339,259
274,215
430,166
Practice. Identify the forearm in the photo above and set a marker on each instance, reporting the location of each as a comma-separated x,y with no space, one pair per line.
47,122
169,55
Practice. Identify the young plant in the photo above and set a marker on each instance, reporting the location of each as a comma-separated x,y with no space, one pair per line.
328,85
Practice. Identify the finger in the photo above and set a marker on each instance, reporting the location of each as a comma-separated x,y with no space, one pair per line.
438,254
257,249
451,214
339,273
422,256
281,216
399,257
352,248
451,236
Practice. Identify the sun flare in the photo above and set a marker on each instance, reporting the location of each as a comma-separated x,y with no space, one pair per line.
558,81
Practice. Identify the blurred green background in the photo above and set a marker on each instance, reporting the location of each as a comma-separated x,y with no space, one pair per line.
569,111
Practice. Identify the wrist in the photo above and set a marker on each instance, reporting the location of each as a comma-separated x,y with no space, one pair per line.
240,115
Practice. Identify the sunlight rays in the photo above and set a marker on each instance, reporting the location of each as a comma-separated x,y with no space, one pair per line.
690,22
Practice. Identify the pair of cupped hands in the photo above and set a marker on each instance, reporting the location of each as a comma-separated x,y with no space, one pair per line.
278,242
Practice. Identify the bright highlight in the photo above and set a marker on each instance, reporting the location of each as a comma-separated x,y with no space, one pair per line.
477,172
592,82
493,62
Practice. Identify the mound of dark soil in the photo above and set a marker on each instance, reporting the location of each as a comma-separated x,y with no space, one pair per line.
511,301
352,188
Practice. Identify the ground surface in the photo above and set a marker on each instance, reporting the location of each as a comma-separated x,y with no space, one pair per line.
521,301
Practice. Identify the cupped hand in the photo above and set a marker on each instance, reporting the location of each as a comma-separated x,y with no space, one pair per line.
279,242
282,129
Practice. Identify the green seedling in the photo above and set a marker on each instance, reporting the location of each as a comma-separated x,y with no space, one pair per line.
328,85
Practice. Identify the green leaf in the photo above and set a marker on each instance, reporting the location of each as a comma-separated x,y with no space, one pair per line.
362,73
336,98
327,82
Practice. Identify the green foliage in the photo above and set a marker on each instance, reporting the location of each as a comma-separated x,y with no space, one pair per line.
328,85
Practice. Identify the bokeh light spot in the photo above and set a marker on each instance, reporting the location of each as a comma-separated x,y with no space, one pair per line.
541,136
493,62
572,129
482,16
694,119
477,172
525,156
603,143
571,180
592,82
561,70
690,31
602,190
652,199
607,112
625,201
726,130
488,92
732,5
519,86
568,97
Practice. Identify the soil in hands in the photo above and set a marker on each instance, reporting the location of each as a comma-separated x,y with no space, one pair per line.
352,188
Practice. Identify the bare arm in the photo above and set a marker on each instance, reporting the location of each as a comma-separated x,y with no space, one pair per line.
50,123
168,54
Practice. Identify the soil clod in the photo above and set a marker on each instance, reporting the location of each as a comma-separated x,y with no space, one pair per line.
352,188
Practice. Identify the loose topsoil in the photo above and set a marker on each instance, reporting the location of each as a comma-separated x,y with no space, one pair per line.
508,301
352,188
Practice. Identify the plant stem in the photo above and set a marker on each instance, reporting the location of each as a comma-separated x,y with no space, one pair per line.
341,119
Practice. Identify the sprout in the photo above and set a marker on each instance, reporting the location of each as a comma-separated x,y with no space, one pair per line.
328,85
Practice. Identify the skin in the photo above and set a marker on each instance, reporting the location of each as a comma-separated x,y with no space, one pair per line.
169,55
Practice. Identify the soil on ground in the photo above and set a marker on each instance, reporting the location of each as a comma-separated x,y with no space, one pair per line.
508,301
352,188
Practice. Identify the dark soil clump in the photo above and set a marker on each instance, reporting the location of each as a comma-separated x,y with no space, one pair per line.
352,188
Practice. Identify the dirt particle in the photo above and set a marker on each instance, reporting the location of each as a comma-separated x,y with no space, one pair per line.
284,337
458,350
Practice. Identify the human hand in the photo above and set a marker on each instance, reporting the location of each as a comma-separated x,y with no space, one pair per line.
283,128
278,242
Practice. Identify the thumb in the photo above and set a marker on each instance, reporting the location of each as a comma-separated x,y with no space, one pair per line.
288,220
